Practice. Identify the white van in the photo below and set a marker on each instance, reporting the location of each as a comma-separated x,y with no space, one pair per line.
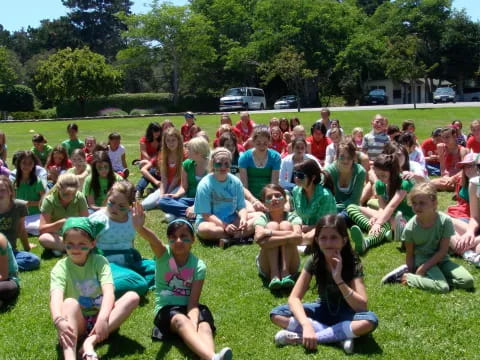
243,98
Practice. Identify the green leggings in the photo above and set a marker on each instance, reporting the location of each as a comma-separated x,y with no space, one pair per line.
441,277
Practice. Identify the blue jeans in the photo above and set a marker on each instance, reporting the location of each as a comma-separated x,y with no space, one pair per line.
26,260
321,312
143,182
175,207
152,200
433,169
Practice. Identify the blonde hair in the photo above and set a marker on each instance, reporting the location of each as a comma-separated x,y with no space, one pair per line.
178,154
66,181
357,130
474,124
424,188
123,187
200,146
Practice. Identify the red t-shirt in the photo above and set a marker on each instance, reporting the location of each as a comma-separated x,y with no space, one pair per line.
473,144
280,146
429,148
185,131
319,148
235,130
245,132
151,149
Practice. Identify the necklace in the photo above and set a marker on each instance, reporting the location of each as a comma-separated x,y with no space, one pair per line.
260,162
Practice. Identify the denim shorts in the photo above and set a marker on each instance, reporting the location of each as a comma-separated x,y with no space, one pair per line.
321,312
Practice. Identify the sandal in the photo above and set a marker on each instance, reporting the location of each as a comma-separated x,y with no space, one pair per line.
92,355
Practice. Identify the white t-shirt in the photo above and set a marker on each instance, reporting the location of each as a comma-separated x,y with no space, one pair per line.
116,158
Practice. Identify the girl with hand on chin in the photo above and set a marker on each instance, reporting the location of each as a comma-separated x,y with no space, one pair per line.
340,314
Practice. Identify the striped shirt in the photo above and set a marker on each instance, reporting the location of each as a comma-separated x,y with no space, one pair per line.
373,144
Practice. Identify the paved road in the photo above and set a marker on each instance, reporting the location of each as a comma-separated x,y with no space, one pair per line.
380,107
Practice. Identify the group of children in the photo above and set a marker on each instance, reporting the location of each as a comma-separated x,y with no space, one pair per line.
273,185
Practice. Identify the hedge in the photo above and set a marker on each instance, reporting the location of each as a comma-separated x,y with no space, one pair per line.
16,98
150,102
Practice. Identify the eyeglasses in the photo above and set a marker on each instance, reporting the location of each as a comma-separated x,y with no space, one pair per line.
184,240
278,197
300,175
121,208
77,247
218,165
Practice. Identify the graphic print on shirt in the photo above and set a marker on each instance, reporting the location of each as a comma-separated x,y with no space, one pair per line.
87,289
179,282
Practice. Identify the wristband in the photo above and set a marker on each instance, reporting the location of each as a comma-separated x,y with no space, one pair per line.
349,294
340,283
58,319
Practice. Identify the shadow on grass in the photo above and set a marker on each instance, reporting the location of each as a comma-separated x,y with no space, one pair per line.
279,293
120,346
367,345
166,346
8,305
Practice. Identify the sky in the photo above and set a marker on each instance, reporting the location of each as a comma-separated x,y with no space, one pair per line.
13,14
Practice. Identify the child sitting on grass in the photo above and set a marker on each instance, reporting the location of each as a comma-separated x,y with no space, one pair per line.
427,238
278,233
9,282
179,280
340,314
82,302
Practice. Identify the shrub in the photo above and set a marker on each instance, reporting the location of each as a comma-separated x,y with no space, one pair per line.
112,112
16,98
139,112
25,115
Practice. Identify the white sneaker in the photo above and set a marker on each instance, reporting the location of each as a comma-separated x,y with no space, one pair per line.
285,337
472,257
57,253
224,354
395,275
347,346
400,223
169,218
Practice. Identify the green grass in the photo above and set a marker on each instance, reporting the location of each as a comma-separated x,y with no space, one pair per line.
413,324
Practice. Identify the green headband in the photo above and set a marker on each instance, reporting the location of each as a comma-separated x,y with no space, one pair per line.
84,224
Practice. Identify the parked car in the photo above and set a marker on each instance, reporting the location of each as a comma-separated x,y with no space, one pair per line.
286,102
376,97
444,94
470,94
243,98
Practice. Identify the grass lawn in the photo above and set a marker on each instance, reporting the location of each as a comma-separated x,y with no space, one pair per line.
413,324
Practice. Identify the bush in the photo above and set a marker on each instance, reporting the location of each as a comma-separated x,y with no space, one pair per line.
112,112
25,115
157,102
139,112
16,98
49,113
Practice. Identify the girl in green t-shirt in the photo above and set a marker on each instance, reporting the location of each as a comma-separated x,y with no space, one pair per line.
392,191
82,300
9,288
278,233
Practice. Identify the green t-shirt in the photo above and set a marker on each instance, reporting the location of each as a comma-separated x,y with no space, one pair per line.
9,221
83,283
427,240
51,205
321,204
12,263
291,217
407,185
71,145
32,192
352,194
173,284
42,155
87,189
330,293
189,167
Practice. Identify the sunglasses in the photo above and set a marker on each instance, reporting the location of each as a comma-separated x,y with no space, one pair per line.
219,165
185,240
278,197
300,175
76,247
121,208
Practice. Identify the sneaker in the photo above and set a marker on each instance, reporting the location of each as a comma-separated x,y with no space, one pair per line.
358,240
285,337
126,173
57,253
225,243
472,257
138,194
395,275
168,218
275,284
287,282
224,354
399,226
347,346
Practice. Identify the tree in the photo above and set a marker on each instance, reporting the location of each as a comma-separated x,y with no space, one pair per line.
10,67
178,40
98,24
76,74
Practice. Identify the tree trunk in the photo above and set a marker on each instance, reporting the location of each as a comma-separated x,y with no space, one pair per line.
175,80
